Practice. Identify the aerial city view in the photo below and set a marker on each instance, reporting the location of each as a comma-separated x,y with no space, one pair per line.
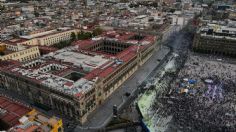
117,65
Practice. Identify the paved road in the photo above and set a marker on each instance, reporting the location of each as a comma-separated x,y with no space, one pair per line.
103,114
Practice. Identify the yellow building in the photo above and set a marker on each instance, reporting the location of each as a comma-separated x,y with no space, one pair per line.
48,38
36,121
18,52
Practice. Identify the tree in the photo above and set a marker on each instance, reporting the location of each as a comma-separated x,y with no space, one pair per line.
62,44
84,35
79,35
72,36
97,31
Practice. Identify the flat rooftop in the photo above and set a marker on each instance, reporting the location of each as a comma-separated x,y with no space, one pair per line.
218,31
86,61
15,41
119,36
35,121
46,33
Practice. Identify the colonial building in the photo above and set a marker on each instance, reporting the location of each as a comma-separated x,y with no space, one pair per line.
22,53
48,38
216,39
77,79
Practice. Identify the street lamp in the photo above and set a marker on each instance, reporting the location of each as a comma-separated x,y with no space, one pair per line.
115,111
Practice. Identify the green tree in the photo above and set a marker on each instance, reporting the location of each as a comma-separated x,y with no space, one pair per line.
97,31
72,36
80,35
88,35
62,44
84,35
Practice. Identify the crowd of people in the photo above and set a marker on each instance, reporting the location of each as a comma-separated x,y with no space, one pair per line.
212,105
204,67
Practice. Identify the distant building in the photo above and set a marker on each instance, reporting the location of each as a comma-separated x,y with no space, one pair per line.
49,38
232,15
27,9
216,39
10,112
18,117
14,51
46,49
37,122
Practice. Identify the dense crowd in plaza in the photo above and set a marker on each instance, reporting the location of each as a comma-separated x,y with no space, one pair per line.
203,95
204,67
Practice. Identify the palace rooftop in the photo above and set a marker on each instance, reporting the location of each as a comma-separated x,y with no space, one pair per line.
74,70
